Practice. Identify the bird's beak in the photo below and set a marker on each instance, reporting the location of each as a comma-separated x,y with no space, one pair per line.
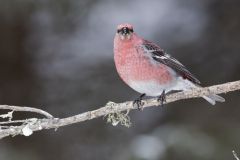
125,36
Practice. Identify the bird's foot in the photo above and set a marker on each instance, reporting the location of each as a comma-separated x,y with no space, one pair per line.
139,102
162,98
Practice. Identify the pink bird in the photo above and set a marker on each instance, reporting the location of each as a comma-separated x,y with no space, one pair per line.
147,69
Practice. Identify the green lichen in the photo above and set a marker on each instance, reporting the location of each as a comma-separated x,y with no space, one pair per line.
119,118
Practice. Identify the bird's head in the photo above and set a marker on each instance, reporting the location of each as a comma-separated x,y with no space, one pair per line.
125,31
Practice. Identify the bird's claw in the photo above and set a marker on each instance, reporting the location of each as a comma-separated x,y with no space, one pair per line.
139,102
162,98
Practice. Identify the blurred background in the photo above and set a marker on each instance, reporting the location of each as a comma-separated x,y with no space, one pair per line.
57,55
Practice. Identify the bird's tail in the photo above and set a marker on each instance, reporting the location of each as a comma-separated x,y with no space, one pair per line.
212,98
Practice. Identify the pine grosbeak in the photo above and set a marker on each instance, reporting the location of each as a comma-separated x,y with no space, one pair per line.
147,69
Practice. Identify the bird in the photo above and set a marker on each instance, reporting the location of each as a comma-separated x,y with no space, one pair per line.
149,70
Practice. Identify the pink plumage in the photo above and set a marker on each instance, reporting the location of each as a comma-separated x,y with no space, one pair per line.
146,68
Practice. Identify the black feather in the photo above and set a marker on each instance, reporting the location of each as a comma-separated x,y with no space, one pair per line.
160,56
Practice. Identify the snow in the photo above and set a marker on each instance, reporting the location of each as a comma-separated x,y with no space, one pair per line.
8,115
27,131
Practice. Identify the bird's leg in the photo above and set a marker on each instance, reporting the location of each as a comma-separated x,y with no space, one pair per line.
162,98
138,101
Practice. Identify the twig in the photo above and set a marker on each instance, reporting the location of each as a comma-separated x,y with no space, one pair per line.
9,122
26,109
235,155
39,124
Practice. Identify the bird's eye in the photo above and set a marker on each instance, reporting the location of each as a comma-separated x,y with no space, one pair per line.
125,30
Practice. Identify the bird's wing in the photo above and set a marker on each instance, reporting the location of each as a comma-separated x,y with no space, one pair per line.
160,56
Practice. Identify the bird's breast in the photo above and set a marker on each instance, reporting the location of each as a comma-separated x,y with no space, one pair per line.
133,65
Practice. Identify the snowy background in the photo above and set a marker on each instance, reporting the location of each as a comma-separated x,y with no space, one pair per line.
57,55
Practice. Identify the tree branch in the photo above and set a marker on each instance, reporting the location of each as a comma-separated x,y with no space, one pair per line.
111,110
